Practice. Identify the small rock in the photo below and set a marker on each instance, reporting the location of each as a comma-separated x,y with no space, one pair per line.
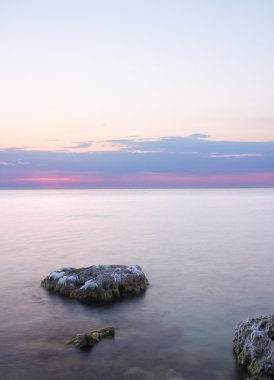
88,340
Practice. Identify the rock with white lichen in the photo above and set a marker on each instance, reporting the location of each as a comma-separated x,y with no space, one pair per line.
254,346
88,340
97,283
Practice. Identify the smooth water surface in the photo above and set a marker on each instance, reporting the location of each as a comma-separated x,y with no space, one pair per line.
208,254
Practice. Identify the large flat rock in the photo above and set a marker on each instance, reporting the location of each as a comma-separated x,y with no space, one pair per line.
97,283
254,346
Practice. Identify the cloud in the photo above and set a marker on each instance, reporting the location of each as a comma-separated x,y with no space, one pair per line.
5,163
199,136
80,145
178,144
239,155
169,161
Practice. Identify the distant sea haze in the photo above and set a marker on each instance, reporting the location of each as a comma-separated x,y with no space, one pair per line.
170,162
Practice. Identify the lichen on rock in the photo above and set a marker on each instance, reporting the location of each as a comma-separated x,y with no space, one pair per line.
97,283
254,346
56,275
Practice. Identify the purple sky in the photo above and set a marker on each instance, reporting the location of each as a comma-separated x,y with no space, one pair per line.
194,161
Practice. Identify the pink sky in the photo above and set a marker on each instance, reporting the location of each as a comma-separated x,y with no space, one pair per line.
164,180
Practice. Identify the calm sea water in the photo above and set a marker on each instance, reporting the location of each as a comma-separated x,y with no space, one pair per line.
209,257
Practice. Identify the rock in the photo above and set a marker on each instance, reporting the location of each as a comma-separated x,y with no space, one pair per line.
86,341
159,372
254,346
97,283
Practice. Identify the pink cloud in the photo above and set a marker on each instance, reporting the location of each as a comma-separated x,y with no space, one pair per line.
95,179
54,180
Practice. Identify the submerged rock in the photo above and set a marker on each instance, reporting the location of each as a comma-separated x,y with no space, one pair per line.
135,373
86,341
158,372
97,283
254,346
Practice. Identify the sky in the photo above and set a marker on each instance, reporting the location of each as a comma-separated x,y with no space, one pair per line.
127,93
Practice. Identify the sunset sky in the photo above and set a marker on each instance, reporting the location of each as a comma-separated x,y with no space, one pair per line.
136,93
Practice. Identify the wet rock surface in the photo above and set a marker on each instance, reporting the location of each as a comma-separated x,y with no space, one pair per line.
97,283
254,346
88,340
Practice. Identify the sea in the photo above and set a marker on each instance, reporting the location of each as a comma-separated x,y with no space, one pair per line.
207,253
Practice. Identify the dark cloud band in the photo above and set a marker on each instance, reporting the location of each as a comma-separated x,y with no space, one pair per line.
170,157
